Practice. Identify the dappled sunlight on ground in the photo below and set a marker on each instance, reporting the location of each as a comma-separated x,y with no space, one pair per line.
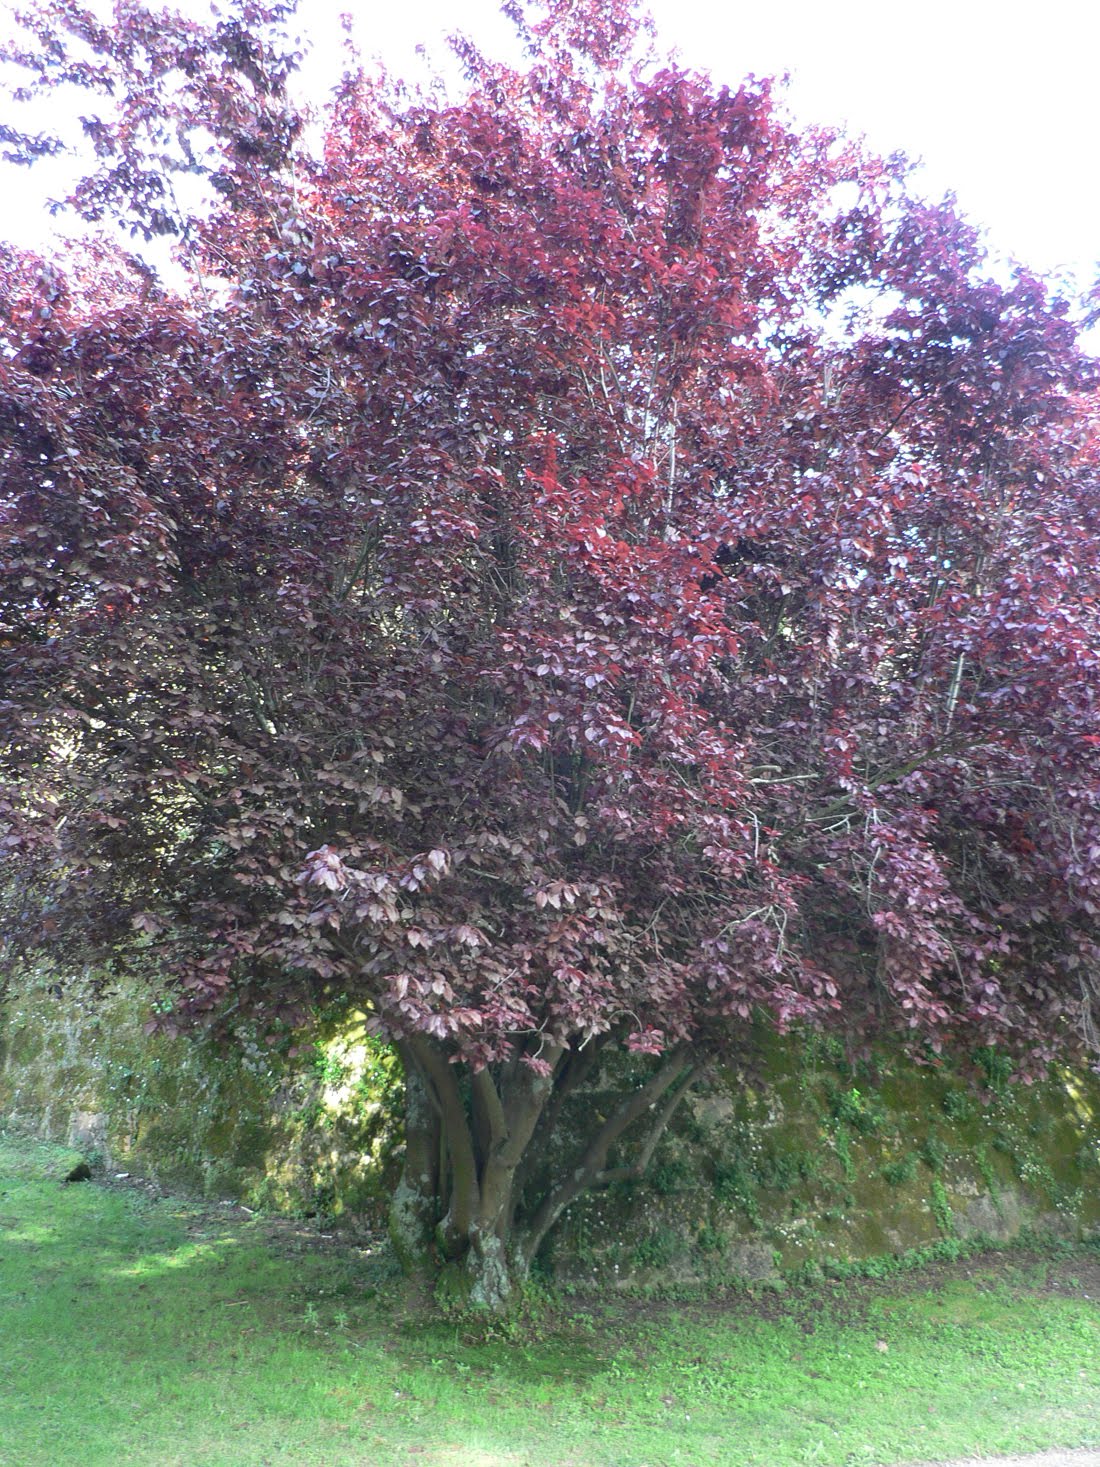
146,1330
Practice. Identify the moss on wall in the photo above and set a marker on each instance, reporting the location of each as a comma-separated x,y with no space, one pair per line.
801,1161
314,1134
806,1163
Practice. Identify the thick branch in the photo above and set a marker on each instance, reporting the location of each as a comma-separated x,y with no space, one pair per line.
578,1065
488,1100
460,1148
415,1205
640,1165
593,1161
525,1101
512,1114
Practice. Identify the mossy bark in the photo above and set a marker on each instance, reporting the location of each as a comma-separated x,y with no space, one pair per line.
414,1209
485,1131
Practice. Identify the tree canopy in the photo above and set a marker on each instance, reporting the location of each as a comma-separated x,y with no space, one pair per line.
577,567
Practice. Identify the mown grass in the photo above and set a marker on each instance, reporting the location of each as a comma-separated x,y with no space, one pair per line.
146,1330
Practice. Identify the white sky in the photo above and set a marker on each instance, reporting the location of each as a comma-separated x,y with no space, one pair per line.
1001,101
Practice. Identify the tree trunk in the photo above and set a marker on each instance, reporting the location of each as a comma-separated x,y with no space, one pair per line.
466,1157
668,1085
415,1205
504,1111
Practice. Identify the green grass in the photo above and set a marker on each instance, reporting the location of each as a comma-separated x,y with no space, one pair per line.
145,1330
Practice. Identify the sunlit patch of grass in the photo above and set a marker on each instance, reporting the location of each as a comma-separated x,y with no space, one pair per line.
146,1331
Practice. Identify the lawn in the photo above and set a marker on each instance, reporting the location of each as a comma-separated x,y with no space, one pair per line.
137,1328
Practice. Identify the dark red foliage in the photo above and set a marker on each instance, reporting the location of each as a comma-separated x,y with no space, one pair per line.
502,591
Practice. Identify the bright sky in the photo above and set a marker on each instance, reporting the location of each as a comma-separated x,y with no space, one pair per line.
1001,102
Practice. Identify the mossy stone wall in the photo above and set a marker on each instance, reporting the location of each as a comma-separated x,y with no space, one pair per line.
317,1133
806,1163
802,1161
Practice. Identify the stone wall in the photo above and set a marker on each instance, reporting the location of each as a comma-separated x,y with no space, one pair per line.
313,1134
797,1161
803,1163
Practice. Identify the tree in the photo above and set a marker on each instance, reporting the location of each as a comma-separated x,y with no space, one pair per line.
569,570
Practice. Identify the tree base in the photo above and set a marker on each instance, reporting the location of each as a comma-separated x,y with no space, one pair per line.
486,1281
411,1231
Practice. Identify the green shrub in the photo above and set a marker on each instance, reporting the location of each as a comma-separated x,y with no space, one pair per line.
897,1173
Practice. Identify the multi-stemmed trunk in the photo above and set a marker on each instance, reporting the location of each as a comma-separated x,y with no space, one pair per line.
472,1151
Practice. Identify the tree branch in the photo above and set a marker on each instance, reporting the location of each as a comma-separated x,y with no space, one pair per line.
638,1168
578,1065
487,1102
465,1195
594,1159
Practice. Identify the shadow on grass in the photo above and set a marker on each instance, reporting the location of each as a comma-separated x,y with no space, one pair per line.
138,1330
147,1331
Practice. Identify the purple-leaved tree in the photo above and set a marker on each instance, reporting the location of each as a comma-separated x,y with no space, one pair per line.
572,569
